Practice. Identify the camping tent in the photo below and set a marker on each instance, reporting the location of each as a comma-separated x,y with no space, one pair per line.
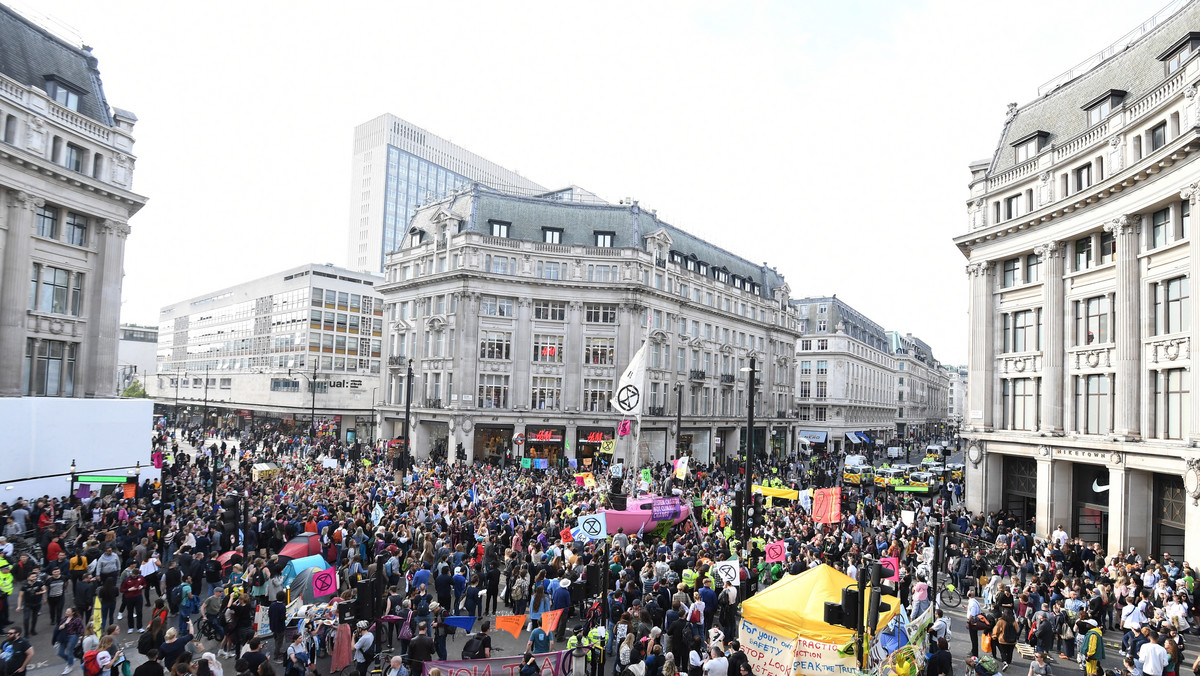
794,607
301,587
293,569
300,547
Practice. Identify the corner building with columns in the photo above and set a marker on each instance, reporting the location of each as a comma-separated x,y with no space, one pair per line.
518,314
66,173
1082,409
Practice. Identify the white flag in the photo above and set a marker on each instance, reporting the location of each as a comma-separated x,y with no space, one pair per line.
627,398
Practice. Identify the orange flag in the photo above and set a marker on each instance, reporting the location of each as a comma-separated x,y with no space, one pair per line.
827,507
550,619
513,624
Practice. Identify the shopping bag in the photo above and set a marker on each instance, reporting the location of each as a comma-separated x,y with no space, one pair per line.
985,642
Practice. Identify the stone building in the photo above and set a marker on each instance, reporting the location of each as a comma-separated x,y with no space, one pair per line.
845,377
66,180
518,313
1080,261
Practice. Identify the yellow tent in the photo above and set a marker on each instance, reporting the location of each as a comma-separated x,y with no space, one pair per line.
795,606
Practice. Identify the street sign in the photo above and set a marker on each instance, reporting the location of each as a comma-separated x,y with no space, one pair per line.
519,438
103,479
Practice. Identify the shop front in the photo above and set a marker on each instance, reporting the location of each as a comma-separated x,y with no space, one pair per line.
1170,513
816,439
656,444
589,444
1090,515
546,443
1020,488
697,443
492,442
437,438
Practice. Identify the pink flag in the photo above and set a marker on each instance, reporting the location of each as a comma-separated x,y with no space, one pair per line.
777,551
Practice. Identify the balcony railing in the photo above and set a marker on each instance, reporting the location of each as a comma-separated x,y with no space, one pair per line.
697,375
727,379
433,403
397,361
657,411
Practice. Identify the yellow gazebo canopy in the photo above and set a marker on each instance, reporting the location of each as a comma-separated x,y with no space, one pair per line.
795,606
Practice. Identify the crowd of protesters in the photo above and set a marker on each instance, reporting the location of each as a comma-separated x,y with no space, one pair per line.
464,539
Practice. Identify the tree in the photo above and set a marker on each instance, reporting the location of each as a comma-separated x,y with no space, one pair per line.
135,391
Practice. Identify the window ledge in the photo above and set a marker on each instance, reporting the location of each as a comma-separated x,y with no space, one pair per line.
1095,268
1166,247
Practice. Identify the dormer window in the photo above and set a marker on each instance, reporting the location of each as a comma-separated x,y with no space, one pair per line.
1177,54
62,94
1029,145
1099,108
499,228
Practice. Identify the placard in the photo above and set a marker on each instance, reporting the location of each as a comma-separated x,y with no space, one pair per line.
665,508
726,571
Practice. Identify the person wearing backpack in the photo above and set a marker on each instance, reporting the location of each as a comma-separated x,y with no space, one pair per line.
1004,634
479,646
364,648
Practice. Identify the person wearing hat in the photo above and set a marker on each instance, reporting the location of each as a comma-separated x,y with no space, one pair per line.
364,645
560,599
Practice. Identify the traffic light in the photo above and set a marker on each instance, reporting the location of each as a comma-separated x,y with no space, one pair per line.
231,519
878,571
757,511
459,454
739,508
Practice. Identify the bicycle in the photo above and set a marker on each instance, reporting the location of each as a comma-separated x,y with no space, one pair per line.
948,595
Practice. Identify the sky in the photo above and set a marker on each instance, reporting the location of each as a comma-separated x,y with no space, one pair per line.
828,139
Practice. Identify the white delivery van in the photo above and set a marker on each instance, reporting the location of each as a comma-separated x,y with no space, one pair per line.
894,452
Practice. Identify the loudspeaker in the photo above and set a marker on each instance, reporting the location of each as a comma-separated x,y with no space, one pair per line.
365,595
592,579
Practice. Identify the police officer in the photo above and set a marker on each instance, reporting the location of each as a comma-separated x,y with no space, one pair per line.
6,590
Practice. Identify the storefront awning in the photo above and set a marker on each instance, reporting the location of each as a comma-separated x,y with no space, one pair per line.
852,437
864,437
815,437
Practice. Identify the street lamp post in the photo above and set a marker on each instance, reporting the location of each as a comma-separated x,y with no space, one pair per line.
71,494
312,385
373,391
749,459
678,421
406,452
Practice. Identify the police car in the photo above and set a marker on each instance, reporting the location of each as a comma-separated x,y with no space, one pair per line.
887,477
956,470
920,482
858,475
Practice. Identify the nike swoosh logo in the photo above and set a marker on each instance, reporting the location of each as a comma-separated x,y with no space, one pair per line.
1098,488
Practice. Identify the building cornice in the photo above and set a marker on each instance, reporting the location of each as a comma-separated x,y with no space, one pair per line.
1187,143
130,201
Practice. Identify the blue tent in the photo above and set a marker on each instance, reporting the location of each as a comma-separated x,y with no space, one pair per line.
297,566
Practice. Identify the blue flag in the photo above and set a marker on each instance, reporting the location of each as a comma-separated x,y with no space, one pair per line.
464,622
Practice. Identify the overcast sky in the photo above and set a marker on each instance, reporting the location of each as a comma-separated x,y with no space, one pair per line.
829,139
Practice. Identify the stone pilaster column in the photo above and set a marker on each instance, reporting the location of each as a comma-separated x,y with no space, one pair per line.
99,377
981,360
573,344
1054,347
1192,194
14,300
521,391
468,349
1128,337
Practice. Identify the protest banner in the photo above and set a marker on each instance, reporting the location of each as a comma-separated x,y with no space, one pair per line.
827,507
513,624
556,663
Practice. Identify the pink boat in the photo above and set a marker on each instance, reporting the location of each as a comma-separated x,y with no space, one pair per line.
638,515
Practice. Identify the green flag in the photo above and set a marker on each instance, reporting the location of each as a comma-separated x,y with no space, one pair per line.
647,476
526,463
